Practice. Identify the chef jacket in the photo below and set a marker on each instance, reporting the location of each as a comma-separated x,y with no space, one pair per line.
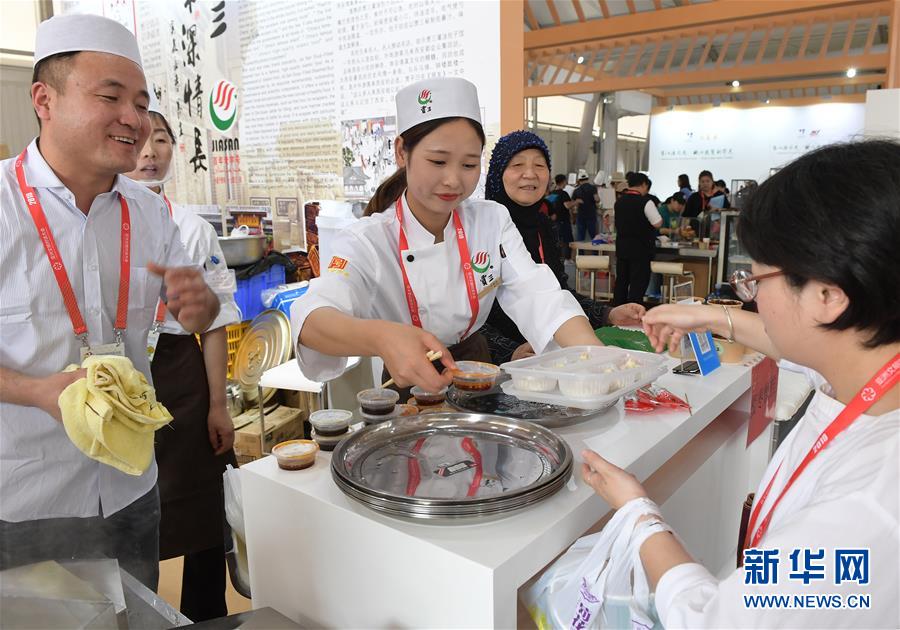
201,243
848,497
363,279
42,474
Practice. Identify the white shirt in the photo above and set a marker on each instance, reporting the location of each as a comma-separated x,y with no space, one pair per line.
652,213
364,280
42,474
848,497
201,243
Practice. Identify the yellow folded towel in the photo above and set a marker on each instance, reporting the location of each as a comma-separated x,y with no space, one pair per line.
111,414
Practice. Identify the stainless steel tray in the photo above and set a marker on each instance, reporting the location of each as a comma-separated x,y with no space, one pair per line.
451,465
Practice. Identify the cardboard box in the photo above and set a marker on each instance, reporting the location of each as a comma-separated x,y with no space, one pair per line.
282,423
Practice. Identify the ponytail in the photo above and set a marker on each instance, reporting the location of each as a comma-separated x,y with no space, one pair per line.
387,193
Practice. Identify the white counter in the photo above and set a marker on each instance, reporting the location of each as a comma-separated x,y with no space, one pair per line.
323,559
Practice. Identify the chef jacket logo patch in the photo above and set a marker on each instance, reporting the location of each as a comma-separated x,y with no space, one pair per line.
481,262
338,265
425,101
223,105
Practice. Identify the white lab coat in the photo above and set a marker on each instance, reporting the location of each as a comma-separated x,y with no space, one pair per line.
364,280
201,243
848,497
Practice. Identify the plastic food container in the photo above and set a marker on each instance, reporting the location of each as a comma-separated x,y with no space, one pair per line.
534,383
378,401
330,421
475,375
328,442
426,399
588,377
295,454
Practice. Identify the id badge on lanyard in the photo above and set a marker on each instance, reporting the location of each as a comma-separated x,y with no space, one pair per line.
33,203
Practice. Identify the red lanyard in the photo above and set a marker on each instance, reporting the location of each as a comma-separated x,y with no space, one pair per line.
160,305
471,287
59,268
881,383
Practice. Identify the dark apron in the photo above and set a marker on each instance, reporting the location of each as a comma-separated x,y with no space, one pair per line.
472,348
190,474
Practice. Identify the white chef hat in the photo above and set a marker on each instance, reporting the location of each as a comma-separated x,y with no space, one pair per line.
155,105
84,33
439,97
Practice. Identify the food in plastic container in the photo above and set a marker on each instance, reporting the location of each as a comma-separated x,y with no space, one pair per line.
378,401
474,375
328,422
407,410
426,399
584,375
295,454
328,442
534,383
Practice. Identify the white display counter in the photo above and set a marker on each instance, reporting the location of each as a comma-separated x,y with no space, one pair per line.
322,559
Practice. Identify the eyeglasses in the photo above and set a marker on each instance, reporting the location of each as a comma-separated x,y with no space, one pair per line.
746,285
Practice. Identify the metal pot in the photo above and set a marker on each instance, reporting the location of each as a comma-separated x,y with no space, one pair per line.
242,250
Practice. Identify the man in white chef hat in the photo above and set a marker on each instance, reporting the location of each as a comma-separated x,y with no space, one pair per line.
74,281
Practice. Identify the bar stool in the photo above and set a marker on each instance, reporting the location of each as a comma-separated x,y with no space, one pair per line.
593,264
670,271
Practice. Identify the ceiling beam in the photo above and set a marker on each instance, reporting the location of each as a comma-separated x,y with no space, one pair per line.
894,47
576,4
533,24
784,69
553,12
604,9
723,13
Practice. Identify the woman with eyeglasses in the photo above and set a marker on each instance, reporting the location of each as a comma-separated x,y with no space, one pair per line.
828,506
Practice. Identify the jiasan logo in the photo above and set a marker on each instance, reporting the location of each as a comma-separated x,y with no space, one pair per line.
424,97
223,105
481,262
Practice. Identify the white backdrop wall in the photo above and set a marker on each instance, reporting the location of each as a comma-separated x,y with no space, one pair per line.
743,143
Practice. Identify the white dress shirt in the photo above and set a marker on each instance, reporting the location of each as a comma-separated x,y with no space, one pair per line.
202,246
848,497
364,280
42,474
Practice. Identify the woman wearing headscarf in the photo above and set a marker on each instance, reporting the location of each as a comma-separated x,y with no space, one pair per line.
518,176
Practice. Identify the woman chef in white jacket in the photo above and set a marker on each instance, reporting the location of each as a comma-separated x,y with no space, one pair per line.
421,271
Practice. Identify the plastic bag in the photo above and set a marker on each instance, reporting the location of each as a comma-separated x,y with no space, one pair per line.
590,586
234,503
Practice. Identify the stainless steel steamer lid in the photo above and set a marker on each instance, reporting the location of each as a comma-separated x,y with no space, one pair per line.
451,465
265,345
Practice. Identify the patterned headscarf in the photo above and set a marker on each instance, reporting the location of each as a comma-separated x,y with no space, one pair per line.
503,152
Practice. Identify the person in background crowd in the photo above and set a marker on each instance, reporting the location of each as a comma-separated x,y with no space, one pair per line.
721,188
91,98
833,485
670,212
422,270
699,202
586,197
650,195
684,185
636,222
518,172
190,381
561,205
